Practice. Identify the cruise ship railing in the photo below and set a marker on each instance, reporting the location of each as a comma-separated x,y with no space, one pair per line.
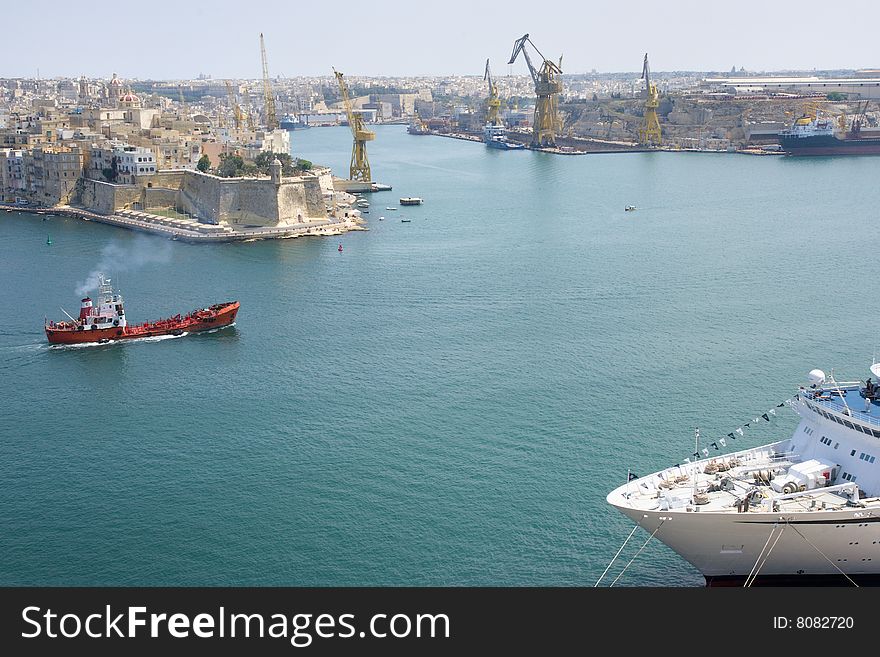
836,404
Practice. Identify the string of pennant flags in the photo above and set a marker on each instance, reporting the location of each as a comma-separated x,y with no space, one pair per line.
718,443
722,442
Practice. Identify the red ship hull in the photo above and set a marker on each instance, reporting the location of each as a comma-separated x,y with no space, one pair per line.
217,316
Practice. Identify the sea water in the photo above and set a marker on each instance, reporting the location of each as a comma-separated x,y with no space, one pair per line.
447,401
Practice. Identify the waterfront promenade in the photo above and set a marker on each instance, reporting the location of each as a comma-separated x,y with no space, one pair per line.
189,230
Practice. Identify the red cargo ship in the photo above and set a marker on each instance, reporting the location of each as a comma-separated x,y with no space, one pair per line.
106,322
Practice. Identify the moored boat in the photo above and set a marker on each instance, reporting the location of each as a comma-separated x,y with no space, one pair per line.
495,136
818,135
106,321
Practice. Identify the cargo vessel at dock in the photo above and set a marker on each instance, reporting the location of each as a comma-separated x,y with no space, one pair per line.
816,135
106,321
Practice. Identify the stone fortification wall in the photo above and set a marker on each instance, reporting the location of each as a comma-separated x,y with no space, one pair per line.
300,199
104,197
159,197
199,195
236,201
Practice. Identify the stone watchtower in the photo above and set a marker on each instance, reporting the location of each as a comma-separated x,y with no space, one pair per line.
275,171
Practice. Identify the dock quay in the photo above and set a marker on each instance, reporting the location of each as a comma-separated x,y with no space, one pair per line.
188,230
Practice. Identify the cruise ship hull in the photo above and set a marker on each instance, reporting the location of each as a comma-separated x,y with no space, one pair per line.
727,547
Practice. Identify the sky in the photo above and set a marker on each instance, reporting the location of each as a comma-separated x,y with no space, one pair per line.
161,39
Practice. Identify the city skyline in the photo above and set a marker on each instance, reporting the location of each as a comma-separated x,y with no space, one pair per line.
167,40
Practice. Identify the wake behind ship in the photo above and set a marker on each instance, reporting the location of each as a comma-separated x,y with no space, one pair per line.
106,321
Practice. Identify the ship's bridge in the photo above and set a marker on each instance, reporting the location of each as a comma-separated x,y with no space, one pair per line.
845,400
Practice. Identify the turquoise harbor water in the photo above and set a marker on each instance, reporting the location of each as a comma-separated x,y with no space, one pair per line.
446,401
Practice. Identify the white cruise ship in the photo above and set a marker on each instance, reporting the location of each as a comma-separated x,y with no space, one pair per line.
804,510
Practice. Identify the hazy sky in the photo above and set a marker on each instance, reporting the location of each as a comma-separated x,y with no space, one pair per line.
161,39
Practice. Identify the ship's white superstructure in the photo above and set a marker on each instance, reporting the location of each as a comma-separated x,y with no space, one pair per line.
800,508
109,311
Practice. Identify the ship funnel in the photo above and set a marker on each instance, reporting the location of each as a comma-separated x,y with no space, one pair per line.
85,308
816,377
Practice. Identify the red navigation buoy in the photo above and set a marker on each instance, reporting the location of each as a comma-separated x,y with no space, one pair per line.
340,248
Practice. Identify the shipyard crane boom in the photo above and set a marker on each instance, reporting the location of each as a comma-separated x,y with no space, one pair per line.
359,169
493,105
233,105
269,99
649,134
547,89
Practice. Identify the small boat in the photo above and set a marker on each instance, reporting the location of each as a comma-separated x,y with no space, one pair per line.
630,208
406,221
381,218
49,239
411,200
390,208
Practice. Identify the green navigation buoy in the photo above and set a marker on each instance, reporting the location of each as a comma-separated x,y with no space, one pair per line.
48,239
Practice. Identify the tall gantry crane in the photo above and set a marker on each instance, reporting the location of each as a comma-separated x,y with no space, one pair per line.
493,105
271,117
360,165
547,88
649,134
233,105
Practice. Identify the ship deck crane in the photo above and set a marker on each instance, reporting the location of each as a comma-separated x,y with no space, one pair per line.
493,105
547,89
269,99
857,121
650,134
359,168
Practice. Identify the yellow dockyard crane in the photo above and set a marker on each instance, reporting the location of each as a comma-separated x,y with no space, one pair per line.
649,134
360,165
233,104
494,102
547,89
271,117
249,114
